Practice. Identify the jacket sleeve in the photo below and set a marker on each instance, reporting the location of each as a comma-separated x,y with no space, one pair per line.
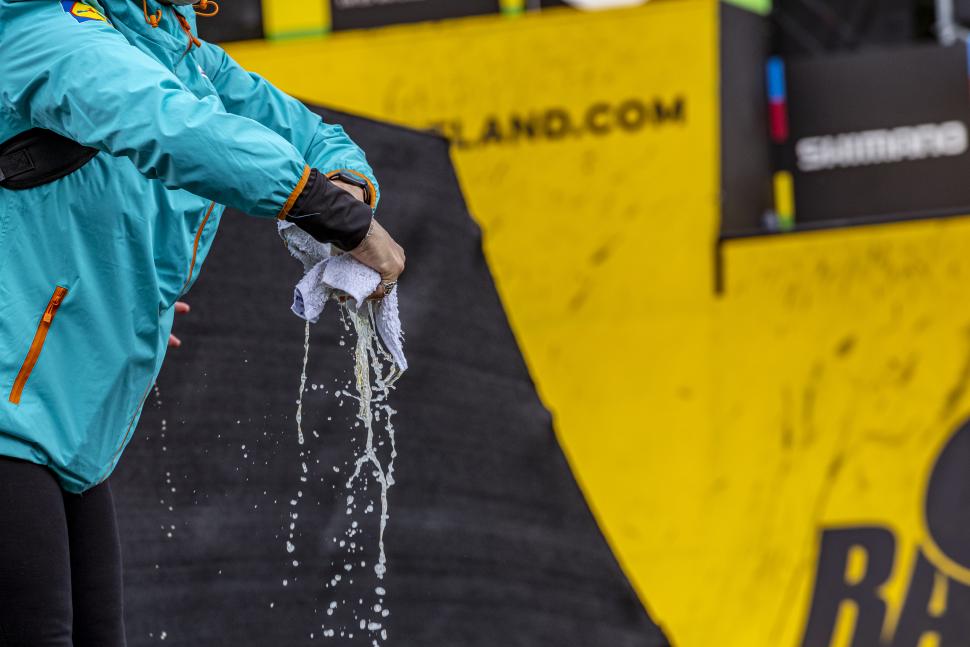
83,80
325,146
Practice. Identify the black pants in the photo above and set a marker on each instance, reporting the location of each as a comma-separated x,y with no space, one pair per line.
60,563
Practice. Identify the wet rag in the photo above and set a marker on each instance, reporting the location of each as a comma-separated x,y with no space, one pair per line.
327,275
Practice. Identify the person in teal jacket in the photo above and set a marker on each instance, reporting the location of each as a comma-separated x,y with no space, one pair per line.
125,136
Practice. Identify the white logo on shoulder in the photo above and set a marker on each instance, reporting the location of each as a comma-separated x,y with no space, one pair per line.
885,146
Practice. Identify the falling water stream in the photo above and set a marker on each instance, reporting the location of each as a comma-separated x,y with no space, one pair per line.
369,355
299,402
375,374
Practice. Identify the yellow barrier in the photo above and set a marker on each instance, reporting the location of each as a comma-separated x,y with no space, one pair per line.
295,18
841,366
714,437
287,19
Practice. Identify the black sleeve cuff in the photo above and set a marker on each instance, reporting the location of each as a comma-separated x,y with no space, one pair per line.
330,214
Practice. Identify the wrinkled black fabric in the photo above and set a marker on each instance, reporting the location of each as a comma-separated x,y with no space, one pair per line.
60,562
39,156
330,214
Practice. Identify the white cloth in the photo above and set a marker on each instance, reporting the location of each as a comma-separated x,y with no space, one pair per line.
328,275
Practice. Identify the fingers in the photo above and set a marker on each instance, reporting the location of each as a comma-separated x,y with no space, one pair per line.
380,252
395,267
377,294
181,307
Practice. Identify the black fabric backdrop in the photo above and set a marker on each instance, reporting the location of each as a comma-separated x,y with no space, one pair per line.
490,542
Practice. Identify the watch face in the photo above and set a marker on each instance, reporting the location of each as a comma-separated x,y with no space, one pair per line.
355,181
349,179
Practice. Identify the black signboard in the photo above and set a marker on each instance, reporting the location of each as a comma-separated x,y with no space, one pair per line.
357,14
878,135
242,20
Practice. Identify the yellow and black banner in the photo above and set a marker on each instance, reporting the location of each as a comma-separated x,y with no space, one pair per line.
772,465
857,564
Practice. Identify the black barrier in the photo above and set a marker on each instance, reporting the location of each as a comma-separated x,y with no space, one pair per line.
356,14
746,160
812,27
490,542
240,20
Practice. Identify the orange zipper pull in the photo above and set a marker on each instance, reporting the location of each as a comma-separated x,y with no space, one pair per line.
51,307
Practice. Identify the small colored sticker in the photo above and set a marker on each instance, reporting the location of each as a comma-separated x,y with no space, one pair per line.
82,12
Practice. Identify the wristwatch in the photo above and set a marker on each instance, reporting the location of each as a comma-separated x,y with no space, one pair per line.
354,180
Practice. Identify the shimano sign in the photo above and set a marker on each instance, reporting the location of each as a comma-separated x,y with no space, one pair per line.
883,146
865,145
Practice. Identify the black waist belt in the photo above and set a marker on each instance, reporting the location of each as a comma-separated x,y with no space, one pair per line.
38,156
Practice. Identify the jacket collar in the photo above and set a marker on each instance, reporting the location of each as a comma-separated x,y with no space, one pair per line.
167,42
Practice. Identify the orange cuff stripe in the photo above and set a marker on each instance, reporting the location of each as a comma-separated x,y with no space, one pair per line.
370,185
296,193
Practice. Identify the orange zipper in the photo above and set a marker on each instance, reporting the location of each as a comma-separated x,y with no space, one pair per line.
38,344
195,245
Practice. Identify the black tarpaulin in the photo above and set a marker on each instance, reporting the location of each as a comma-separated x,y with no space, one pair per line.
489,543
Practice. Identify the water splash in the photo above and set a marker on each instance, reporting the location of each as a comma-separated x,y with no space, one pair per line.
299,402
374,376
369,355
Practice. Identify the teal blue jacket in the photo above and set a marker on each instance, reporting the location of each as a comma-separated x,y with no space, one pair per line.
91,265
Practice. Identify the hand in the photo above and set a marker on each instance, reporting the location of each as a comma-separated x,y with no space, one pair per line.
379,251
181,307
